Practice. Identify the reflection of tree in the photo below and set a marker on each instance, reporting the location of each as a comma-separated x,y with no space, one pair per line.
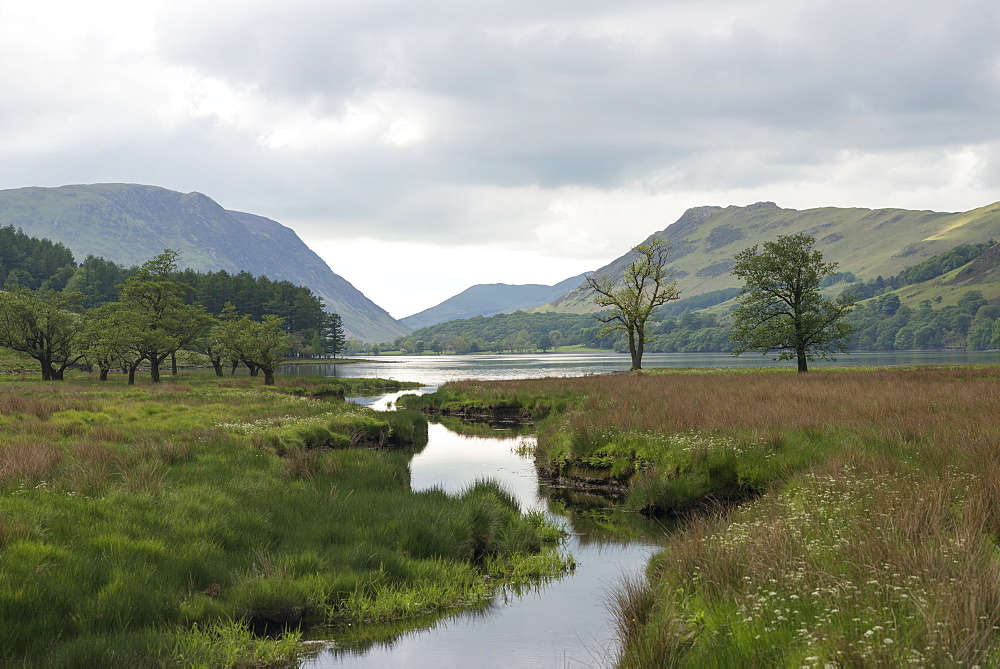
600,519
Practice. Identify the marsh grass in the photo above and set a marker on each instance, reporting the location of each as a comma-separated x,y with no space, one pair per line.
870,537
159,524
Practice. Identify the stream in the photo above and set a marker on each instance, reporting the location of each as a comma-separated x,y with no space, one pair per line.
562,623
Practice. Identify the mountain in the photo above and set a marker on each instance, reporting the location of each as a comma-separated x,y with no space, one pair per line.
867,242
488,299
129,224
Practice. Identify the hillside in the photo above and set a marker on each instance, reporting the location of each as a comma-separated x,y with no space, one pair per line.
982,274
128,224
867,242
490,299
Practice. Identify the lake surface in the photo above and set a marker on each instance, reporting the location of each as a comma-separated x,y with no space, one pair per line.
434,370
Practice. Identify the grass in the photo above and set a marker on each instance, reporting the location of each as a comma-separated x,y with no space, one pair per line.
173,523
868,518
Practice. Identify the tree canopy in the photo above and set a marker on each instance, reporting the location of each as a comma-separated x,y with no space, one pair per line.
780,306
645,285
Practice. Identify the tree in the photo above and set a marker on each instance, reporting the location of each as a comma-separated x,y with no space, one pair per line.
42,325
556,337
257,344
780,306
154,303
645,285
333,337
106,340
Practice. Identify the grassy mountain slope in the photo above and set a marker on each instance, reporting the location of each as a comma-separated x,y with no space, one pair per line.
129,224
490,299
982,274
866,242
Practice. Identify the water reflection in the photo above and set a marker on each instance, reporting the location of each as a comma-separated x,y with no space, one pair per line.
562,623
438,369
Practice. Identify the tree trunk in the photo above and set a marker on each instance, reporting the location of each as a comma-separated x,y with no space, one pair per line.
633,352
154,369
104,373
173,363
268,376
640,347
131,374
800,354
217,364
236,363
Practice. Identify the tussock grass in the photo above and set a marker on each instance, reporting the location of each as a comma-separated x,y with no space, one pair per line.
171,523
871,529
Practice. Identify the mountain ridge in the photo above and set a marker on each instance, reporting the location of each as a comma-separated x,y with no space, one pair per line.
130,223
489,299
867,242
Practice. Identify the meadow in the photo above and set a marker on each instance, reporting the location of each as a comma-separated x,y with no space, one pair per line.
212,522
837,518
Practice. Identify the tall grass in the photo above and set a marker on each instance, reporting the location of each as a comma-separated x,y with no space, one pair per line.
138,523
871,537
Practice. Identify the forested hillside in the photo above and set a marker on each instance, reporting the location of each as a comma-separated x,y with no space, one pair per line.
948,301
42,264
866,243
130,223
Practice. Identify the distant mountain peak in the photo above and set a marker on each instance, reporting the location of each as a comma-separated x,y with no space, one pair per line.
489,299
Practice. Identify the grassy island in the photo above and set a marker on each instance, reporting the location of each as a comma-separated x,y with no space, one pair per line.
210,522
843,517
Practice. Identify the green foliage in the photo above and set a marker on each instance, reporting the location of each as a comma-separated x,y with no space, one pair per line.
332,334
781,307
517,331
137,527
260,345
43,325
33,263
645,285
942,263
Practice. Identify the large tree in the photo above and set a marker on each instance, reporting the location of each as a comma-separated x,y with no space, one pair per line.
154,303
780,306
43,325
645,284
257,344
107,338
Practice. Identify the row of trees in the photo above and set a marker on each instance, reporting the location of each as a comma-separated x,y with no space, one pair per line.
40,264
515,332
149,323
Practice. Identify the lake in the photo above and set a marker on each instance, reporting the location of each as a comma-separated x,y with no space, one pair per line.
433,370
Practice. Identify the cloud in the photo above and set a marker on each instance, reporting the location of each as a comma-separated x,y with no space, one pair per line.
571,128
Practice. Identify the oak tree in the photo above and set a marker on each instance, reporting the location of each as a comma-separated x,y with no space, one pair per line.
781,308
43,325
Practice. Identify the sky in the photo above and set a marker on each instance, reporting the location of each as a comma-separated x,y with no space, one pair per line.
423,147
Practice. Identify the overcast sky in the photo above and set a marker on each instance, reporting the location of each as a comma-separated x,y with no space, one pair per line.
422,147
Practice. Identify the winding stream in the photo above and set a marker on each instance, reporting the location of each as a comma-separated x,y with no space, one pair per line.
563,623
